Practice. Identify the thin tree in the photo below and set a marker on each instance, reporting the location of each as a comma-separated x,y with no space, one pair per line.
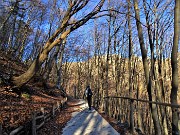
130,68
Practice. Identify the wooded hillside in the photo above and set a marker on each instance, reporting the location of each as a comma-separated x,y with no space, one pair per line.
18,104
120,48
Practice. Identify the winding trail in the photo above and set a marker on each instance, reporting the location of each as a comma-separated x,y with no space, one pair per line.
88,122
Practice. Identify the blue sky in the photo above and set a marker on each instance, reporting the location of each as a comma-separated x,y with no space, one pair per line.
86,31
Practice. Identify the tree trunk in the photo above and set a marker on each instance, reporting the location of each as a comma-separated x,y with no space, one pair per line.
107,65
59,65
11,37
146,70
174,64
35,66
130,70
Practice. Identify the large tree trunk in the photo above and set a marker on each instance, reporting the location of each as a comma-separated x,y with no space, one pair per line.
35,66
174,64
59,60
50,64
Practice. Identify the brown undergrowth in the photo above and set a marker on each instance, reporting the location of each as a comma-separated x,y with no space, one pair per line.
55,126
18,104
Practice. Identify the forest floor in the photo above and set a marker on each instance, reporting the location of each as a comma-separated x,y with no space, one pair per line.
17,105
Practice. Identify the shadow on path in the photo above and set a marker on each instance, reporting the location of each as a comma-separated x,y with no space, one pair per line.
88,122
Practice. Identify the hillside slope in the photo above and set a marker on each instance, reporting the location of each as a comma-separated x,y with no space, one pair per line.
17,105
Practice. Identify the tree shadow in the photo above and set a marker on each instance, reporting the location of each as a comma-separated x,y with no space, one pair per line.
88,122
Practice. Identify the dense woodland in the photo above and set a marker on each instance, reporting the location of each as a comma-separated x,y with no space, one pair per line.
126,48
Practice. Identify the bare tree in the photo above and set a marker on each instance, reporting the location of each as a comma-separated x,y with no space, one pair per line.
57,37
146,69
174,64
130,68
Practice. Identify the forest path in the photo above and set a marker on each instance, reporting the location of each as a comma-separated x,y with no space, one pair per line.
88,122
